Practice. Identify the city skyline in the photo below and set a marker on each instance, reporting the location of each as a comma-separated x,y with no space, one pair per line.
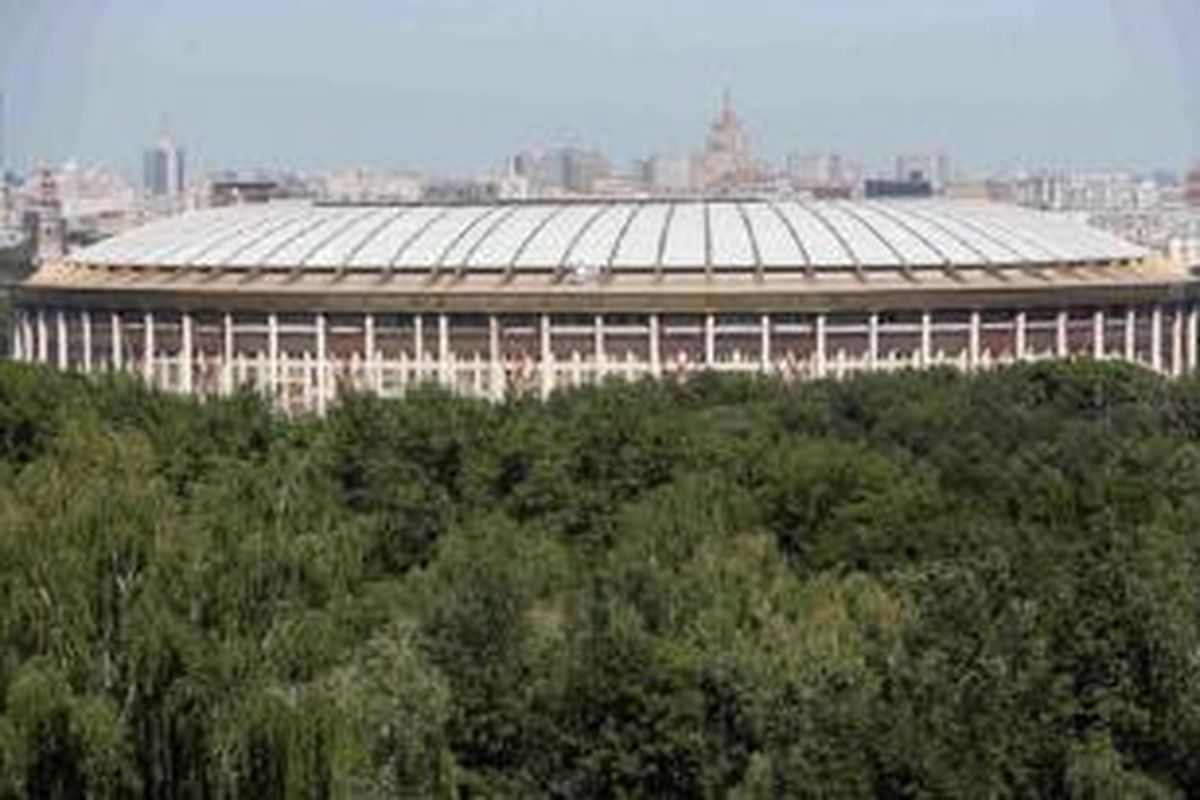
457,86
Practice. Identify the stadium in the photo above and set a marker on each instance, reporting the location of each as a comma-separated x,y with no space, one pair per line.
303,301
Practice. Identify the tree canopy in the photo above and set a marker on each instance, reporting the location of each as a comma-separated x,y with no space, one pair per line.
919,585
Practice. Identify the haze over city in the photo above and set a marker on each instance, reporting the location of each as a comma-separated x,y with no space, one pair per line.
456,86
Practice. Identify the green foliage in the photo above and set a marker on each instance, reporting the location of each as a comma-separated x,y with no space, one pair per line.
916,585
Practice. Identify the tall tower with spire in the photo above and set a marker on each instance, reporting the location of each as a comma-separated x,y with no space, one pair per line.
726,164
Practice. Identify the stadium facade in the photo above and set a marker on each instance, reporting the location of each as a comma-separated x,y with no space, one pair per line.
304,301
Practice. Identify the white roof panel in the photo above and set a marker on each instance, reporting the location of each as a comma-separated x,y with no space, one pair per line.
185,250
639,246
439,241
731,245
956,249
379,250
227,250
821,245
337,250
998,250
297,251
868,246
1025,225
597,242
503,243
777,247
969,216
140,245
902,238
549,246
685,246
474,234
1099,244
256,252
1071,238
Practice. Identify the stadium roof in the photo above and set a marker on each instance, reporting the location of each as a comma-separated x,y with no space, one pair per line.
659,236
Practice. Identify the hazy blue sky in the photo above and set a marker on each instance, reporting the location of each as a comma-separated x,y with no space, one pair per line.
455,85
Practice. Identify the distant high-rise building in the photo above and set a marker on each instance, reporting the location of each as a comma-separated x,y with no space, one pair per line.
931,168
666,173
1085,191
1192,190
582,168
914,186
823,173
726,162
163,169
564,169
44,220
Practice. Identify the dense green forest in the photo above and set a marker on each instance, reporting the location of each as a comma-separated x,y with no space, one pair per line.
919,585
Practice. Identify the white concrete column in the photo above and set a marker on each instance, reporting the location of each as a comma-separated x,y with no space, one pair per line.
495,359
60,331
710,341
148,347
118,347
974,339
322,365
1020,336
601,356
307,400
1098,335
43,338
1131,335
545,356
1156,332
28,337
419,346
273,354
16,334
1177,341
1061,344
370,361
443,354
925,353
228,354
85,323
820,356
873,342
655,349
764,349
1193,331
21,326
28,348
186,355
20,337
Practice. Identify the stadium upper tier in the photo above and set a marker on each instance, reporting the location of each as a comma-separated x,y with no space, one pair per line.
711,236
